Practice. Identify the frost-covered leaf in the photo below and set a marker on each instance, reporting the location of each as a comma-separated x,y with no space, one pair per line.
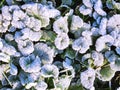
85,10
87,3
67,63
4,57
116,23
115,65
109,4
44,52
87,78
77,23
102,27
13,69
44,21
26,47
110,55
62,41
64,83
29,85
98,8
3,68
81,45
30,63
98,58
118,50
102,41
49,71
61,25
25,78
41,85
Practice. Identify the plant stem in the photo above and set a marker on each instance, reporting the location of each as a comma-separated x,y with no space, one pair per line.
7,79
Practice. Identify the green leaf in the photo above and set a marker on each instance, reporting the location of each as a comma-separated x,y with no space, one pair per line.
70,53
48,36
76,87
106,73
50,82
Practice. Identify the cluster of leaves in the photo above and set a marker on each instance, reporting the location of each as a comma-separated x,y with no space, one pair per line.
59,44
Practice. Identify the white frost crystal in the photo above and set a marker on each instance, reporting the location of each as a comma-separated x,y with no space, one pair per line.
87,78
62,41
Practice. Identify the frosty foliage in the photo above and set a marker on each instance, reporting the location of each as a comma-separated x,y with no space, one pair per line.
48,45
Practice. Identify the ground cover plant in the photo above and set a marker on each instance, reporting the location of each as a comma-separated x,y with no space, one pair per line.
60,45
